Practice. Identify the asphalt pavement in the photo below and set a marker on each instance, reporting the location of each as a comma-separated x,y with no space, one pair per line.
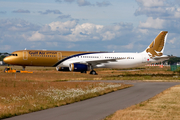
99,107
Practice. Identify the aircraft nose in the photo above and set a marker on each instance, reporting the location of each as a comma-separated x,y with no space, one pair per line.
7,60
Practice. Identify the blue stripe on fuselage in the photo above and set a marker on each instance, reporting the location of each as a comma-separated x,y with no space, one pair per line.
59,62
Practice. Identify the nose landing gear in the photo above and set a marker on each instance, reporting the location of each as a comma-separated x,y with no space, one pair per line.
23,68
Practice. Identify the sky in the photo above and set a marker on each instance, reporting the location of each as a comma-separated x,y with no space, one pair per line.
88,25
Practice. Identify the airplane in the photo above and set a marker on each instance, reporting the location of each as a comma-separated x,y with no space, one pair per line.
80,61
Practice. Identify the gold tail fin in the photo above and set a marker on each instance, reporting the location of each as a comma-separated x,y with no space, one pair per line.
156,48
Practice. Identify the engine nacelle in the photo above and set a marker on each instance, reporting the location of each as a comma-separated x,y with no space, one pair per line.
62,68
78,67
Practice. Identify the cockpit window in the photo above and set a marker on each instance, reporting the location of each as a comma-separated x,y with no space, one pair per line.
13,54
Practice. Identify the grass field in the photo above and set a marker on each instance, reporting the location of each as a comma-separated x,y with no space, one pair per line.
164,106
23,93
45,88
50,74
18,97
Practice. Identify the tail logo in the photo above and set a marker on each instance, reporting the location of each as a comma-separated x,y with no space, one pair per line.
156,47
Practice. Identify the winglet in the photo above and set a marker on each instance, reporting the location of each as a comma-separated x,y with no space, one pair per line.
157,46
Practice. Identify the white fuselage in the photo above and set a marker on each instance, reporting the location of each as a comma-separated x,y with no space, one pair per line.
123,60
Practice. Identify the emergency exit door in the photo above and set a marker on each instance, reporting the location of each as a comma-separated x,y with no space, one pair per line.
25,55
59,55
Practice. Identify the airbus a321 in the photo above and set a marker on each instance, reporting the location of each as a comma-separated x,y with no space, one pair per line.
87,61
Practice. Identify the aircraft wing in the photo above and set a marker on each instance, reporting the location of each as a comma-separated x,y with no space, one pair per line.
164,57
96,62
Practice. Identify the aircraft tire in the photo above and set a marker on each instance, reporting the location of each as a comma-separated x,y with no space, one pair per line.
93,72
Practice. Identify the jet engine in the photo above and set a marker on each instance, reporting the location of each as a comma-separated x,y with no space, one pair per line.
78,67
62,68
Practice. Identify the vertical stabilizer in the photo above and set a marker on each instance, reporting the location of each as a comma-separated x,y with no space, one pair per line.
156,48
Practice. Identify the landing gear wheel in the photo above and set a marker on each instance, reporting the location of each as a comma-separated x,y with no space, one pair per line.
24,68
93,72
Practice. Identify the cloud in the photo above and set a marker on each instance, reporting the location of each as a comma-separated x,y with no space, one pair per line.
20,34
36,36
80,3
86,31
2,12
61,27
71,45
120,47
141,30
83,3
50,11
164,15
177,13
72,31
21,11
70,1
11,33
17,25
108,35
52,44
103,4
58,0
157,9
64,16
151,3
172,41
177,2
152,23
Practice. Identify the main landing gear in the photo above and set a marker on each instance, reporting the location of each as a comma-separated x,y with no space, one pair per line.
93,72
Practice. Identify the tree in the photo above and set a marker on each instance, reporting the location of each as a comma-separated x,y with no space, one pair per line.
173,60
2,57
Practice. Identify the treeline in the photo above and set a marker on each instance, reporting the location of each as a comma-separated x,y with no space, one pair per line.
174,60
3,55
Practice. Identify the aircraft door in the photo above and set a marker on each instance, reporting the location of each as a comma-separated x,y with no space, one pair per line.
25,55
59,55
